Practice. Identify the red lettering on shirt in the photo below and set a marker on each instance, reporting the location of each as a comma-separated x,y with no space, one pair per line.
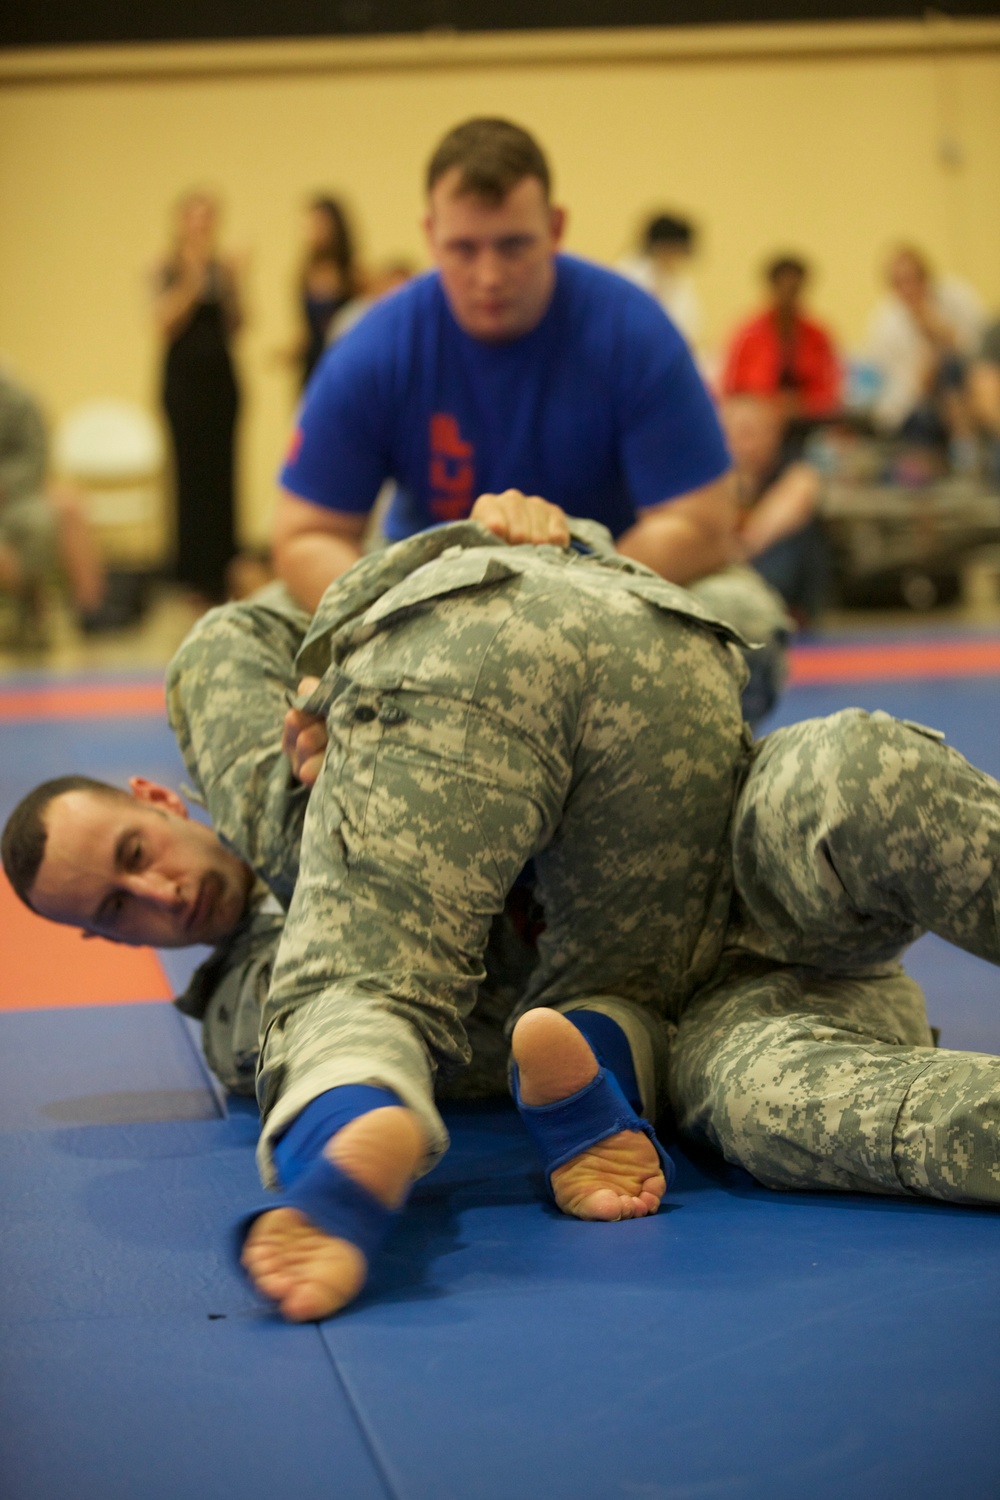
452,471
294,447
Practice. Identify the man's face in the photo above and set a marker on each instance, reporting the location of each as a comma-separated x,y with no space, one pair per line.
786,289
495,259
138,870
907,277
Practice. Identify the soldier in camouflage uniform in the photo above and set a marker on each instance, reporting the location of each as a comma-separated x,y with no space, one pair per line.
738,909
469,689
742,906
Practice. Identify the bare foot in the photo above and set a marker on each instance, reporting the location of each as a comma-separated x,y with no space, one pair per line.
307,1272
620,1177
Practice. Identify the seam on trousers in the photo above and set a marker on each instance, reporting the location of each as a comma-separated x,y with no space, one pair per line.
896,1118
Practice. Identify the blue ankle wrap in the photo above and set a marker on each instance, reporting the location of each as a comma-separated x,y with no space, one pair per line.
336,1204
562,1130
609,1044
317,1187
322,1117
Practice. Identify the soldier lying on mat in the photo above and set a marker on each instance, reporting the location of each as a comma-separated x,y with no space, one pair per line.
724,918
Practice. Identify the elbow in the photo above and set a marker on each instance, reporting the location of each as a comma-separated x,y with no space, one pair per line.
284,550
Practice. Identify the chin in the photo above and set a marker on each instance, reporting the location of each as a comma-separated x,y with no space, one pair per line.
495,330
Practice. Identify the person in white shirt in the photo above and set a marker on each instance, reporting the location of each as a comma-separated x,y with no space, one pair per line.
660,267
921,337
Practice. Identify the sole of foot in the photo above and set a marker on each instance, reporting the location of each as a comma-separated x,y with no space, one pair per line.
618,1178
308,1273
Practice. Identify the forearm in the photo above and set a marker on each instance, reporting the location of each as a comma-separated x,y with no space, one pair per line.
782,510
984,391
174,304
689,538
309,562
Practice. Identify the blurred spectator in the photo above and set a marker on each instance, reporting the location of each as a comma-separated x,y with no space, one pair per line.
779,499
921,338
40,526
660,267
984,393
781,353
198,310
328,280
385,278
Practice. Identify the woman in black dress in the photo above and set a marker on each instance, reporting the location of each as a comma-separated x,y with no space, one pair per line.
198,311
328,280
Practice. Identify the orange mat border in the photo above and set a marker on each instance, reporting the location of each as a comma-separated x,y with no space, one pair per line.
812,665
47,967
809,665
83,701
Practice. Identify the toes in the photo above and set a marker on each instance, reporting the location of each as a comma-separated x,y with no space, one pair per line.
307,1273
616,1179
604,1205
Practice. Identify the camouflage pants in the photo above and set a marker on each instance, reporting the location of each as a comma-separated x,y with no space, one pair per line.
554,714
808,1059
228,688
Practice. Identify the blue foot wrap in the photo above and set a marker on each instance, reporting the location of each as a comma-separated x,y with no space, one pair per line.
562,1130
326,1195
336,1204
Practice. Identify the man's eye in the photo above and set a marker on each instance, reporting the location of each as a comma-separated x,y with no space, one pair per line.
133,857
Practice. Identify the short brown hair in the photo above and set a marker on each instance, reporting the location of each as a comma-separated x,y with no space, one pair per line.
23,844
492,156
781,264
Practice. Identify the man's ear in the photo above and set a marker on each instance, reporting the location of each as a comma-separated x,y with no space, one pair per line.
557,223
163,797
427,225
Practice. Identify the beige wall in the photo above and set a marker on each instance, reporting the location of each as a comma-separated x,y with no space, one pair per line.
831,141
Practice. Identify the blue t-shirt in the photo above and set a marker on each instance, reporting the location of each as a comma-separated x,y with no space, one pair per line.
599,409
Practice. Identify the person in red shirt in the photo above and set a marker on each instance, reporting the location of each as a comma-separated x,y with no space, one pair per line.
780,353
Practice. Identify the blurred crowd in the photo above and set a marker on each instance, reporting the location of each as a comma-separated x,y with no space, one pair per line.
920,398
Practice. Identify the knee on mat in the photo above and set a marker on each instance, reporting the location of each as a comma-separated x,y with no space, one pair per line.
862,740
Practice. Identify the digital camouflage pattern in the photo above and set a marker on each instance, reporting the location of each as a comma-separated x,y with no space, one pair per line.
808,1060
228,688
741,908
486,704
27,520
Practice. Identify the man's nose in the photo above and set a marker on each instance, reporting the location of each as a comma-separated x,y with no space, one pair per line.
159,889
489,266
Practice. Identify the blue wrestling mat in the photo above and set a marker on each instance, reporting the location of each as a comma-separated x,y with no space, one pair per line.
742,1345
